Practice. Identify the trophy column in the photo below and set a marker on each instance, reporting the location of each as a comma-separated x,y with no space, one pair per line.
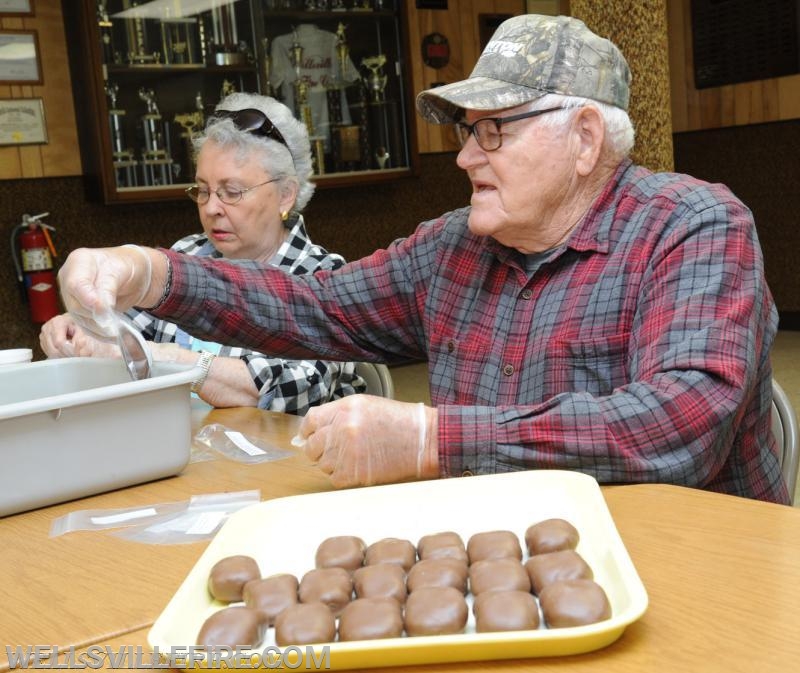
303,109
156,161
382,116
345,138
124,163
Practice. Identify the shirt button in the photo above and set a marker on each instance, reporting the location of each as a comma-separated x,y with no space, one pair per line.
466,473
527,294
451,346
508,370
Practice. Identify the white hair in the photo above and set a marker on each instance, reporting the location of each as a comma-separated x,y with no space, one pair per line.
619,129
290,162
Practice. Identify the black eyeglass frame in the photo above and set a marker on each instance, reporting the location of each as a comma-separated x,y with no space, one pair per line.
195,189
252,121
498,122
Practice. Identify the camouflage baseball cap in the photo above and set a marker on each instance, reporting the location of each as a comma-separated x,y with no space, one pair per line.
530,56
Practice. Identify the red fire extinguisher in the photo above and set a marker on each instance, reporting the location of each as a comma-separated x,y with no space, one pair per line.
33,251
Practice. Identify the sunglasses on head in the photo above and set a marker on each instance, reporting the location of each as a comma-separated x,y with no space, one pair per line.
253,121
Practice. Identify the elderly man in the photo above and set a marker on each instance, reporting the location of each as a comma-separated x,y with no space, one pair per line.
582,313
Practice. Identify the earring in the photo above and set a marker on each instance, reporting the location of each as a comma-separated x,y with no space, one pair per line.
285,215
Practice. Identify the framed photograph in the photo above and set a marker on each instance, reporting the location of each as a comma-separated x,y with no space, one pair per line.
19,57
22,121
16,7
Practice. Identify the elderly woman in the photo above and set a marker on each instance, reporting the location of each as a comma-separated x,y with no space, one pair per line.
253,170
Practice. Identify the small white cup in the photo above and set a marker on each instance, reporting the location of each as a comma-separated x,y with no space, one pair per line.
15,356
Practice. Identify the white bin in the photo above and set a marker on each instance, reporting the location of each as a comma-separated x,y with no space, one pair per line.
78,426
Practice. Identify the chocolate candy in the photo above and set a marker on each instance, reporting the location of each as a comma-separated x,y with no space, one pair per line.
384,580
233,626
371,618
442,545
229,575
551,535
567,564
271,595
437,572
574,603
503,574
305,623
505,611
343,551
391,550
433,611
331,586
492,545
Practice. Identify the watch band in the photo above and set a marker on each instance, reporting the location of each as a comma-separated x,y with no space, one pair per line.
204,362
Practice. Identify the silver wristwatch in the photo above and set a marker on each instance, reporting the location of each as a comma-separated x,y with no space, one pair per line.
204,362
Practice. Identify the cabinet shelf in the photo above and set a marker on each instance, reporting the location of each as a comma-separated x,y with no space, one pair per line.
150,82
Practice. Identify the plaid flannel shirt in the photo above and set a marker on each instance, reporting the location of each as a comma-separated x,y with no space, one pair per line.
638,351
283,385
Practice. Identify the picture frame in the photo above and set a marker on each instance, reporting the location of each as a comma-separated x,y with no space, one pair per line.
22,122
19,57
16,8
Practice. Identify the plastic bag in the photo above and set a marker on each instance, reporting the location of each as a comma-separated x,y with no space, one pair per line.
162,523
237,446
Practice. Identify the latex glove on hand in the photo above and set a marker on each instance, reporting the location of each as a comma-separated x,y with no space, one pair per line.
61,337
94,281
362,440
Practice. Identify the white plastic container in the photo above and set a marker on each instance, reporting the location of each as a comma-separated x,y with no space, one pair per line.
15,356
78,426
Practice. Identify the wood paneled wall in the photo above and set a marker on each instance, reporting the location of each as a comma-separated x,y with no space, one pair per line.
768,100
60,156
734,105
459,24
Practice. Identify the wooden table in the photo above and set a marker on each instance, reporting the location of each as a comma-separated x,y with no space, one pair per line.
722,573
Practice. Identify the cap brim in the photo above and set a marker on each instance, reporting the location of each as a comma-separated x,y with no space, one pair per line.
445,104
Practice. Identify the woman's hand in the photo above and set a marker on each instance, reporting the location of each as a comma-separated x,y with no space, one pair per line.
61,337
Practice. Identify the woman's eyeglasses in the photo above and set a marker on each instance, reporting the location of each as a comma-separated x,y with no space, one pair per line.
253,121
228,195
488,131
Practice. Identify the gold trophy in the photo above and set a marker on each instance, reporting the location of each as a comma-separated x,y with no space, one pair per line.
376,80
303,109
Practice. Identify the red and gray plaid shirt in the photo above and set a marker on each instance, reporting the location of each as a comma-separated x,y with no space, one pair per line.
636,352
292,386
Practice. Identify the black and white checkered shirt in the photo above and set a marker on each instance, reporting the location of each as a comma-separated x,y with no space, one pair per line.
283,385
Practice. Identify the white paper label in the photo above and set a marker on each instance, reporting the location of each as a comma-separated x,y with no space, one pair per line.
244,444
126,516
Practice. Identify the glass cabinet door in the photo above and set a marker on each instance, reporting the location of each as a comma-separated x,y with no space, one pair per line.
154,70
339,65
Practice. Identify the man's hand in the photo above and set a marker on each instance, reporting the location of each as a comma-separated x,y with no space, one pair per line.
96,281
361,440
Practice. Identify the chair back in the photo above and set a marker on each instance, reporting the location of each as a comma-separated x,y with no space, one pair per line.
785,429
378,379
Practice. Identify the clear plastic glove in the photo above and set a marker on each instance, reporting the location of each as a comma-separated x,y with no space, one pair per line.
362,440
61,337
93,282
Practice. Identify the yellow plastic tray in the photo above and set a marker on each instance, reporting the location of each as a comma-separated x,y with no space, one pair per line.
283,534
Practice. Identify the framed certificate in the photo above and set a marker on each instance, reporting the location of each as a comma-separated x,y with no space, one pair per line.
19,57
22,121
16,7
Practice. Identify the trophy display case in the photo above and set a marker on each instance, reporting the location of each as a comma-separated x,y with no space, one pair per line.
148,73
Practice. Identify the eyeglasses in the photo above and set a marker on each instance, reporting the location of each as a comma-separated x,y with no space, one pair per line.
253,121
228,195
488,131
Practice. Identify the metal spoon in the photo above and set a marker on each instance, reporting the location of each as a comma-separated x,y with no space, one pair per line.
135,352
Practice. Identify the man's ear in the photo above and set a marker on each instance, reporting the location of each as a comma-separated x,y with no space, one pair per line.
591,130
